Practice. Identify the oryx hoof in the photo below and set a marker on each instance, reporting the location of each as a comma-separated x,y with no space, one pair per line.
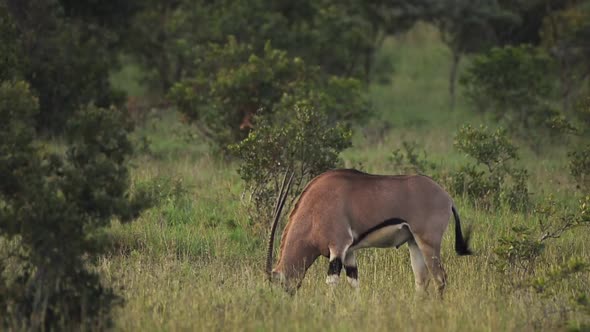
332,280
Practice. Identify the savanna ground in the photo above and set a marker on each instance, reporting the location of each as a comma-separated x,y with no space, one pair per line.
195,261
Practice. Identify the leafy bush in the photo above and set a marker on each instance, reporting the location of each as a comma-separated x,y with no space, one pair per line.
548,286
506,79
582,114
65,58
512,83
304,141
564,33
342,38
579,164
232,84
10,56
411,159
493,150
54,207
163,189
518,252
173,197
491,180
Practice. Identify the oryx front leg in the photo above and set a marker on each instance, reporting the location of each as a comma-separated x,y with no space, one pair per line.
352,274
334,268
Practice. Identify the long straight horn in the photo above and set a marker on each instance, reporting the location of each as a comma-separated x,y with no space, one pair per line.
285,186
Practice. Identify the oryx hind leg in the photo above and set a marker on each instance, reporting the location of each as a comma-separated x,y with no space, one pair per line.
352,274
421,274
431,254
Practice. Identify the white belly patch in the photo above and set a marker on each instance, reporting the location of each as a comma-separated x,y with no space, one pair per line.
385,237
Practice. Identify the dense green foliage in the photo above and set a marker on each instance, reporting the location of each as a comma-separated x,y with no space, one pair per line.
468,27
278,86
10,57
492,180
411,159
302,140
51,207
233,84
65,53
519,253
580,166
564,35
339,37
513,84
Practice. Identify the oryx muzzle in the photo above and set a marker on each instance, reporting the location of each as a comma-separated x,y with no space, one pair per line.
341,211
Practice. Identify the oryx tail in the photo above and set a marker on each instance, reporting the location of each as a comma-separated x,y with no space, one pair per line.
461,243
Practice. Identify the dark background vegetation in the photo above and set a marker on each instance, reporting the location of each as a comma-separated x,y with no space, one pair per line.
268,86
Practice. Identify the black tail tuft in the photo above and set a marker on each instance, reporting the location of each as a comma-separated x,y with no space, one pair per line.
461,242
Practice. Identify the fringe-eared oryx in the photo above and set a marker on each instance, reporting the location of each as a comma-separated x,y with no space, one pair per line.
341,211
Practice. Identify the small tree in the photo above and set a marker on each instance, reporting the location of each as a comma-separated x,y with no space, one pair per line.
66,50
304,142
339,37
579,165
466,27
579,154
512,84
53,206
411,158
491,180
11,61
519,253
233,83
564,34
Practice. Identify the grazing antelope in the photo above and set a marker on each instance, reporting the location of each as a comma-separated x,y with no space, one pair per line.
341,211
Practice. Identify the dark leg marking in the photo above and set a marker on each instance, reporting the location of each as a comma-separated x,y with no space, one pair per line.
335,267
352,272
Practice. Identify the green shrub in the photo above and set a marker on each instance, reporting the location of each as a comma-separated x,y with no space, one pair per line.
493,150
11,61
173,197
518,253
410,158
508,78
234,82
304,141
513,84
55,206
579,164
491,180
548,286
65,51
339,37
516,194
582,114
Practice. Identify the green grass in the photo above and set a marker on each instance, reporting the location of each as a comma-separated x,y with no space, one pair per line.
195,261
